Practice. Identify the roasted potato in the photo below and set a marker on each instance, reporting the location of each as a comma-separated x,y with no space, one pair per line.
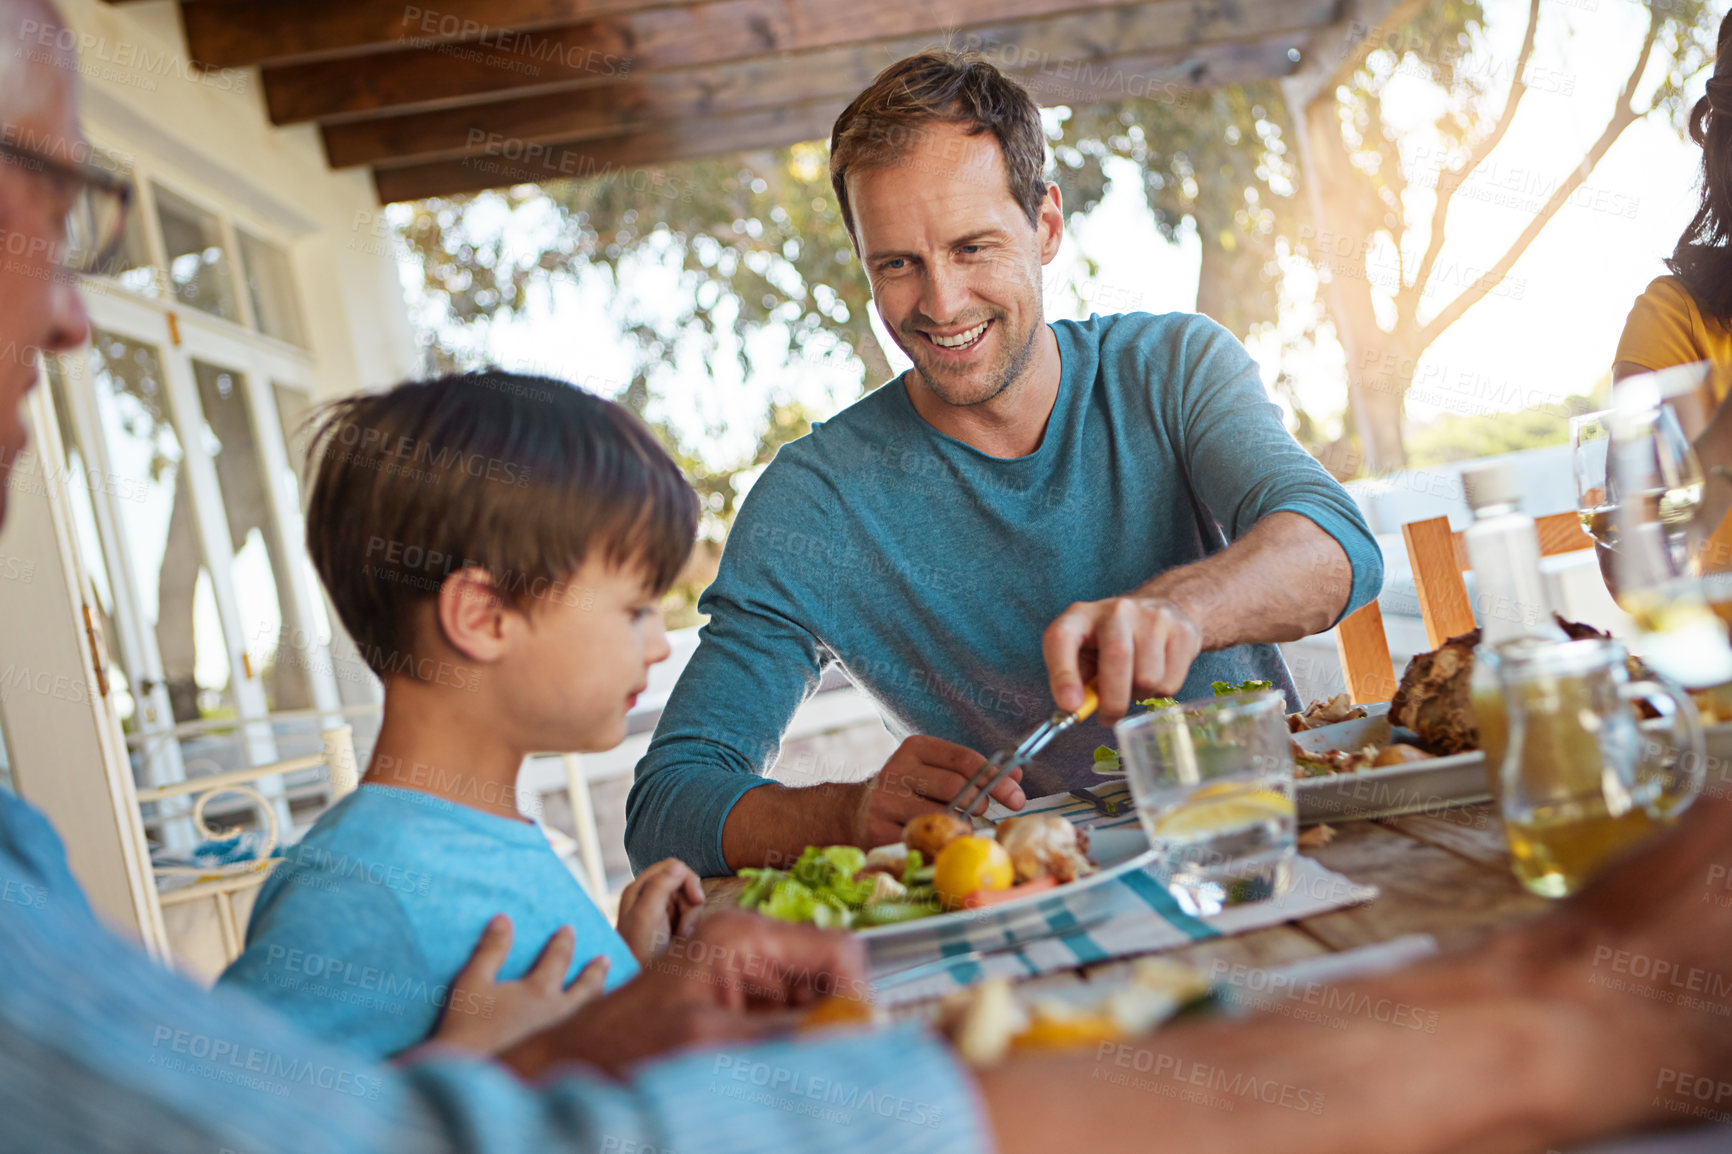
931,832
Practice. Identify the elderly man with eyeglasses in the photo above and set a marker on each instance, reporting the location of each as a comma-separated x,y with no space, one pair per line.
101,1049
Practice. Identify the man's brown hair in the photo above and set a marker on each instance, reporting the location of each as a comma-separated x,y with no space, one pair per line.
523,476
887,120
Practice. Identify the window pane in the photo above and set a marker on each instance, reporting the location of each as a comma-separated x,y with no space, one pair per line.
272,289
198,268
131,266
260,570
293,409
161,537
356,684
81,476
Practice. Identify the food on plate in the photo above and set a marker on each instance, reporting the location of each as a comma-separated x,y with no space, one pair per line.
838,1011
1435,697
889,859
1107,758
1316,837
1400,753
1045,845
929,833
1328,761
991,1019
980,899
825,887
1337,709
1227,688
845,887
969,864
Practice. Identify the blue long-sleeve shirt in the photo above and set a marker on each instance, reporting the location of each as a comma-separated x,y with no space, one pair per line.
103,1050
928,570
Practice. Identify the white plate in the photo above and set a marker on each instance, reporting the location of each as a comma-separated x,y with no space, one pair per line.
1115,851
1387,791
1416,787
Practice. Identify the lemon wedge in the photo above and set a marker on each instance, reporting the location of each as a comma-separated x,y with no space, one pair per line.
1209,813
1218,789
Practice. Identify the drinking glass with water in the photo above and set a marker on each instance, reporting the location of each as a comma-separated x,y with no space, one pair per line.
1213,785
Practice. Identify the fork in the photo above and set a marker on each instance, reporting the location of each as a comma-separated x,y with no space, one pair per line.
986,779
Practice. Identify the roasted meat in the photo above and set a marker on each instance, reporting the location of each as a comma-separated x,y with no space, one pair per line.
1337,708
1435,698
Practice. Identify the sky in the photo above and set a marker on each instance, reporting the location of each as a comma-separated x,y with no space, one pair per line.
1548,331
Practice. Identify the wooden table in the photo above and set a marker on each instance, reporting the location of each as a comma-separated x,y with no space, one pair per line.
1445,874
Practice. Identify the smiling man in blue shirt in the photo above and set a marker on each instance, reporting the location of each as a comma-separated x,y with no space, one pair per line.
1030,505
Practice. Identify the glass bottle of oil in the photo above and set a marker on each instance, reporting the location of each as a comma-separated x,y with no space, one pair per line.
1504,550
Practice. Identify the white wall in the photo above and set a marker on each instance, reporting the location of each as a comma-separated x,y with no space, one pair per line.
209,133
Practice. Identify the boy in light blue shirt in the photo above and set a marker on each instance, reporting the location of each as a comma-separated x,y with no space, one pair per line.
496,545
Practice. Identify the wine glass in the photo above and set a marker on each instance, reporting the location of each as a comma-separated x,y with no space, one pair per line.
1655,483
1590,442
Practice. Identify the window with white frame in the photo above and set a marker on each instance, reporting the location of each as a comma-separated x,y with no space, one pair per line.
186,503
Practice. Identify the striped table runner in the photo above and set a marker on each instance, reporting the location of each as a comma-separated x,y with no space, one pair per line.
1131,914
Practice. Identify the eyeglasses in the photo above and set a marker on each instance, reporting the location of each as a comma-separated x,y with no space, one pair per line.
96,222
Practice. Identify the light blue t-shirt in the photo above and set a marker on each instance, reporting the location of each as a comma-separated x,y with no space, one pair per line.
927,570
103,1049
357,934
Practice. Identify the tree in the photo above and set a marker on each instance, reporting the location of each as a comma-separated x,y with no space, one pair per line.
1220,164
1376,250
758,244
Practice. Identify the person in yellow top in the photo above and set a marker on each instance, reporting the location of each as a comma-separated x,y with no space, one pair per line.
1668,326
1686,317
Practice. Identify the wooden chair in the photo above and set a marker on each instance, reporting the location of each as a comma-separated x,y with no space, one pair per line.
1439,558
221,885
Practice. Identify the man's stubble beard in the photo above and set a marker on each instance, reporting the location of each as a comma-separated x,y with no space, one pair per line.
1014,368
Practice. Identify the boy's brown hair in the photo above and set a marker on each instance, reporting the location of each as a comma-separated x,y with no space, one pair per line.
886,121
523,476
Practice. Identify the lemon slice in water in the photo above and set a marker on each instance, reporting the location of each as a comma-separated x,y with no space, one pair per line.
1212,810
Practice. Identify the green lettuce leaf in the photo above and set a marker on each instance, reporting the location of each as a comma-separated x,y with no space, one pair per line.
829,872
759,883
790,901
889,913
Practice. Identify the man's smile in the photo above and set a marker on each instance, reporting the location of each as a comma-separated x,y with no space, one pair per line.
961,341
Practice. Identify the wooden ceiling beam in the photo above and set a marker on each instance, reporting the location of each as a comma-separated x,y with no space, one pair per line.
608,49
638,102
626,157
633,155
241,33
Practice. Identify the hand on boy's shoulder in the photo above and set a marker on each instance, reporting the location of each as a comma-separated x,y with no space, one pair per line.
737,979
514,1019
